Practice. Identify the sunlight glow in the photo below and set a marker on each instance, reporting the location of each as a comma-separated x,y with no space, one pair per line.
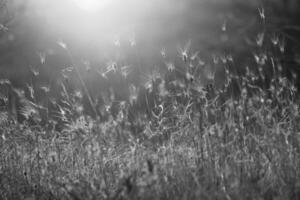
96,23
91,5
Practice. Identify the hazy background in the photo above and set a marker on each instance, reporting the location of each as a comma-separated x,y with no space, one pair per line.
33,28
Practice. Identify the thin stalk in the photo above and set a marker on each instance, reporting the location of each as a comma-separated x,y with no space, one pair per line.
86,91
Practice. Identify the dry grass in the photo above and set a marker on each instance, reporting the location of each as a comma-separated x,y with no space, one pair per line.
192,141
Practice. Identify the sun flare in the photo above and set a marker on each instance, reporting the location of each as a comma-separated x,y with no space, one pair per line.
91,5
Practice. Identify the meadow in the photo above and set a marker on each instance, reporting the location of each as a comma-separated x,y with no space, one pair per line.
196,127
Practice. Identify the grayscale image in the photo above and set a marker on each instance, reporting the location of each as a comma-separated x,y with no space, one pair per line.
149,100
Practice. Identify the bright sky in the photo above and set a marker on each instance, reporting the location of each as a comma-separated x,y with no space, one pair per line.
92,5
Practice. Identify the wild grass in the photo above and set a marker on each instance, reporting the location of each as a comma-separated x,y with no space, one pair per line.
193,139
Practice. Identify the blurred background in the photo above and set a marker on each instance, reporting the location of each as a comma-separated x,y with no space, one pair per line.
48,37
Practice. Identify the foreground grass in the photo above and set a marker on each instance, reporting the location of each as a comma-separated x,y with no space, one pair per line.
246,148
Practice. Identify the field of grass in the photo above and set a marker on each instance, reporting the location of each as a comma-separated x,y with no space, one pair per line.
190,138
